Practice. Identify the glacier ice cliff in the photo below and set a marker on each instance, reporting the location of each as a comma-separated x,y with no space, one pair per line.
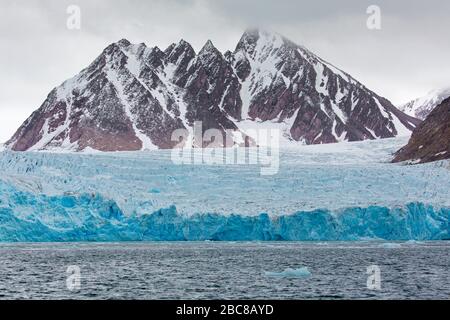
90,217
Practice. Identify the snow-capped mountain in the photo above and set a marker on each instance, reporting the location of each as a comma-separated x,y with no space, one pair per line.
133,97
431,139
422,107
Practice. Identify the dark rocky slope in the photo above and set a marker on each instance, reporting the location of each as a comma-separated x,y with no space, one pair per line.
431,140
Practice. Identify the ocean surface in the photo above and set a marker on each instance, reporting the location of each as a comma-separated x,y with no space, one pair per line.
225,270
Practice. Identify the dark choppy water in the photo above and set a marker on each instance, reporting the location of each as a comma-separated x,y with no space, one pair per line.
224,270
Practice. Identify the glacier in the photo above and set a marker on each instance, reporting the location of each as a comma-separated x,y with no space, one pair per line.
340,192
90,217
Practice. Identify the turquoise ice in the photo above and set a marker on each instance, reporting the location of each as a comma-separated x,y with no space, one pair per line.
345,191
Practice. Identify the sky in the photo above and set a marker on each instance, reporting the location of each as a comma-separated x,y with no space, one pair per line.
405,58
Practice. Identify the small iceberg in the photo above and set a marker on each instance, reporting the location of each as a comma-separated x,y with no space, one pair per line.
390,245
290,273
413,242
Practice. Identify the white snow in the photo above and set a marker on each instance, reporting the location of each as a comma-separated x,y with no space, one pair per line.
246,97
48,136
402,130
63,94
321,79
135,67
441,153
166,76
263,64
252,129
113,77
315,60
426,103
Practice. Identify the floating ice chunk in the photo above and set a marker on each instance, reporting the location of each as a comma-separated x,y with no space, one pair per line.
413,242
390,245
302,272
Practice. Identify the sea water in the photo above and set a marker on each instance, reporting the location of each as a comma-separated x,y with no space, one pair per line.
225,270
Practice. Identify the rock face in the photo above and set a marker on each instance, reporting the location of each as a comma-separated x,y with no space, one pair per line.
431,140
133,97
422,107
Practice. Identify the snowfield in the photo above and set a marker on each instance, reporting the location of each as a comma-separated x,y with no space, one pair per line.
345,191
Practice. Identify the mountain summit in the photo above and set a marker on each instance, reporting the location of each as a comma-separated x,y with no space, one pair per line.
422,107
133,97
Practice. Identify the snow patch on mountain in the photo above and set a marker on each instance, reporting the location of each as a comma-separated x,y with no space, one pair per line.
133,97
422,107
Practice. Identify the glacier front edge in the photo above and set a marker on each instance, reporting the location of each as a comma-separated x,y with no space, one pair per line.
90,217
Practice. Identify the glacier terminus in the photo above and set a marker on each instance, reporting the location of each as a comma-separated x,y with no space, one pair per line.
344,191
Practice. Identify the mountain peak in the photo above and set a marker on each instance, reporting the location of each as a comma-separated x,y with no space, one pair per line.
252,31
183,43
143,95
123,43
248,39
156,49
184,46
422,107
253,36
209,45
209,48
170,48
182,52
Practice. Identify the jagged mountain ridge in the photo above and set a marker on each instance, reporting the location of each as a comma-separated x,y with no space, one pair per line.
431,139
422,107
133,97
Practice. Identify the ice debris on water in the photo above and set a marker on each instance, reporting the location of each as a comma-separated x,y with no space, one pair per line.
390,245
302,272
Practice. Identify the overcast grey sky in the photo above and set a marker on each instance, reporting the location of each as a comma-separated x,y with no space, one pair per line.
408,57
